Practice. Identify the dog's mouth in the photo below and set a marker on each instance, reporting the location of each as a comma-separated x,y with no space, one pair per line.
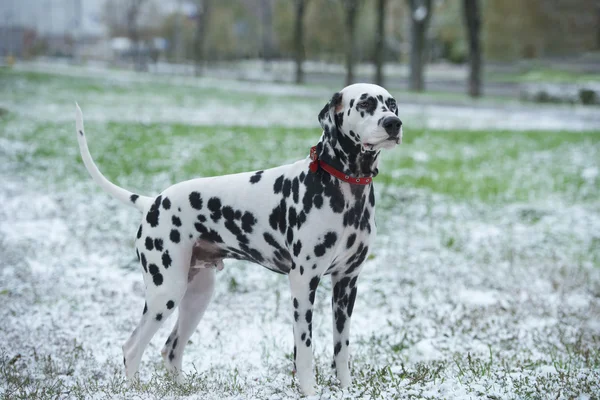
386,143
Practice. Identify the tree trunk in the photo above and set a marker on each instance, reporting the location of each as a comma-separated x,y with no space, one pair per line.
473,22
200,36
133,13
351,7
267,31
420,15
299,39
379,55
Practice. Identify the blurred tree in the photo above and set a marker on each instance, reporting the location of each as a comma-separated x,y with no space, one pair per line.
132,13
267,36
203,8
350,10
299,52
420,15
473,22
379,55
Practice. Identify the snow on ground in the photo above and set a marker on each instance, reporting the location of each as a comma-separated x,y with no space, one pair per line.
459,300
277,109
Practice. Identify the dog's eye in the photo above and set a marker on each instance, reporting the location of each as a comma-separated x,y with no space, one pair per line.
363,104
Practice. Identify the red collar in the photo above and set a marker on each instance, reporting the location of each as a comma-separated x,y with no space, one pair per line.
316,164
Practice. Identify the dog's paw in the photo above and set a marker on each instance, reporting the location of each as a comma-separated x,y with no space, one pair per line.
308,385
345,380
310,389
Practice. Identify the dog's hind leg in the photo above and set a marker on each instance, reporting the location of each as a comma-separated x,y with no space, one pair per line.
165,287
199,292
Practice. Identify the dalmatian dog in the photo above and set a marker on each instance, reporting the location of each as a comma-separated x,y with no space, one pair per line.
308,219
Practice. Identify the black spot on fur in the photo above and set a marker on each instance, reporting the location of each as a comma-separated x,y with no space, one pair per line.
301,270
340,322
158,244
328,242
318,201
351,301
166,203
314,283
196,200
170,304
303,337
307,342
176,221
200,227
175,236
256,177
214,205
158,317
248,222
171,356
278,217
139,232
212,236
154,213
351,240
133,198
287,188
175,343
278,185
157,279
296,190
337,349
166,258
296,316
143,258
153,269
149,243
295,302
297,248
145,308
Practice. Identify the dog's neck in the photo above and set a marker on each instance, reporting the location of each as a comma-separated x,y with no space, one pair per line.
347,156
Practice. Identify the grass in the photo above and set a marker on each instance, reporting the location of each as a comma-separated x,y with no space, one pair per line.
483,166
511,217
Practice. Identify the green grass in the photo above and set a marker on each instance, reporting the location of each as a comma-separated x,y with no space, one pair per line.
482,166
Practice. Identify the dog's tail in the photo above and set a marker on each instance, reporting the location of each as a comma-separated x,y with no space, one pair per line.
140,202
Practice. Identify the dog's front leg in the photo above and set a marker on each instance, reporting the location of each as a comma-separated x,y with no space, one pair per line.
344,294
303,288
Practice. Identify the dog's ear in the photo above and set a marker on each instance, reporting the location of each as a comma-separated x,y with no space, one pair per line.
327,114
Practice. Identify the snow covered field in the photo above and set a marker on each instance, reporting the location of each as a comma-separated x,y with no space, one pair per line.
484,283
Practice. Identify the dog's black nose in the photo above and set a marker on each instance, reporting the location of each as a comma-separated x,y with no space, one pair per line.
392,125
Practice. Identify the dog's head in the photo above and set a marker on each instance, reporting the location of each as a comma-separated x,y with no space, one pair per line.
365,114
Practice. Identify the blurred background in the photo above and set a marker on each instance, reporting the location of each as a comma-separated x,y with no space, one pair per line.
484,279
538,50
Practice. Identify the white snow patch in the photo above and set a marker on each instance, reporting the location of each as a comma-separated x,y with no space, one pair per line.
480,298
